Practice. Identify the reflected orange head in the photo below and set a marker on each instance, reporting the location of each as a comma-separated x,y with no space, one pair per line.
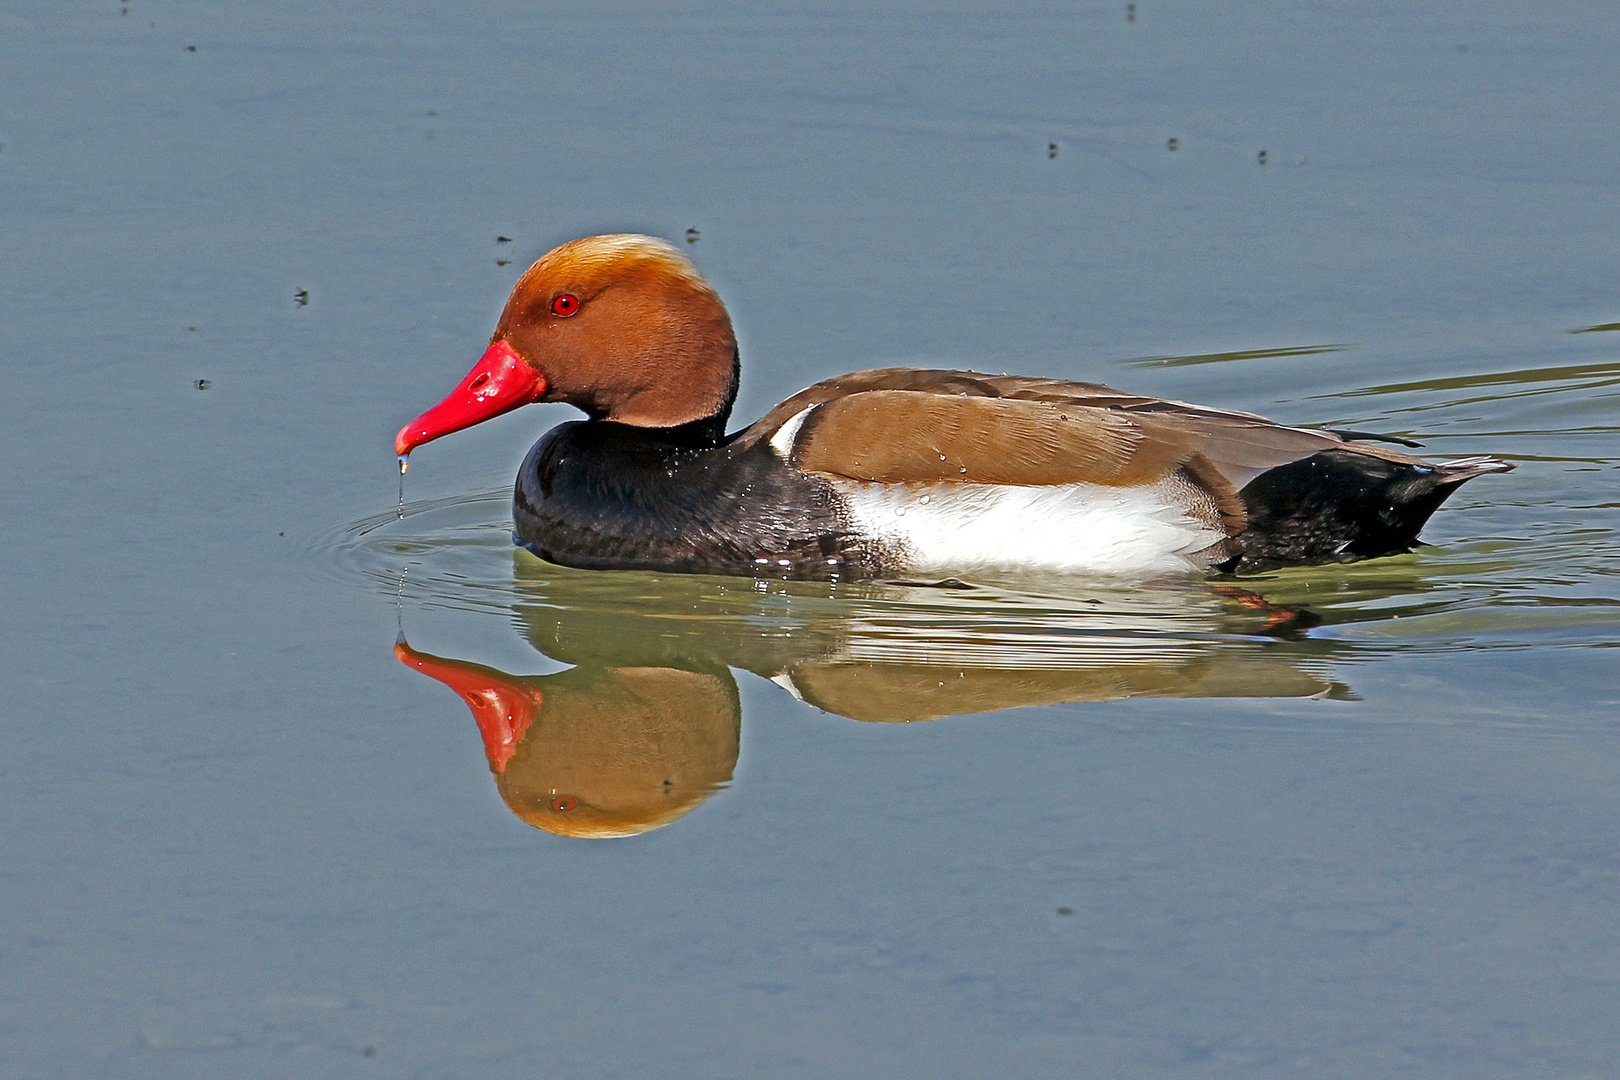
598,752
638,749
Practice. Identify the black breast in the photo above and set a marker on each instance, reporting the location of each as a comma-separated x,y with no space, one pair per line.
601,495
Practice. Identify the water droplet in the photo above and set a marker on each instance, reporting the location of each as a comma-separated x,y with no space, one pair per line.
924,499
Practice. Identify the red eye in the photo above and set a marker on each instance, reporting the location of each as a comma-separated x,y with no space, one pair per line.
565,305
564,803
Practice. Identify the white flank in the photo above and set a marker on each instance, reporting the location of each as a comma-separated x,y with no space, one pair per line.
782,441
945,528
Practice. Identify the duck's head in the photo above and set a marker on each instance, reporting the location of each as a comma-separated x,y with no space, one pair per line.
623,327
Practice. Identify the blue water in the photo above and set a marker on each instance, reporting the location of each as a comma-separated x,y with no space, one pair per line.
1152,832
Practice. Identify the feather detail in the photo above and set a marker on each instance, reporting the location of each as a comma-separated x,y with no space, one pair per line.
900,425
897,437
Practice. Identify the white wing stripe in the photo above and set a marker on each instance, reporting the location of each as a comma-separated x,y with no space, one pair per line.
782,441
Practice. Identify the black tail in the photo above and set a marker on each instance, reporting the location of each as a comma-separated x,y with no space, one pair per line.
1342,506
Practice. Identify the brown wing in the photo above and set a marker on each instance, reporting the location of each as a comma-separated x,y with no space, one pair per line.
974,384
900,436
902,425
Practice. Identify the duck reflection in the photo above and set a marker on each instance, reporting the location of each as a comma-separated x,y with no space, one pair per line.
598,751
645,725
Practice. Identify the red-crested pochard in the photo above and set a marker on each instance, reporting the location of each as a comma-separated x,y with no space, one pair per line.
894,472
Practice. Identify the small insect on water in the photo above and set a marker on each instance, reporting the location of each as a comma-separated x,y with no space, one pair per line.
301,298
691,236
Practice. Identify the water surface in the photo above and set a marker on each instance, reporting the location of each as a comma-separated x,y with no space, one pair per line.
1337,822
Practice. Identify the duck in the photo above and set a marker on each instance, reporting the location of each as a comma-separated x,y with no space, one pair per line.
894,473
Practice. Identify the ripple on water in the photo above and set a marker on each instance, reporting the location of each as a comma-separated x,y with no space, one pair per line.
458,548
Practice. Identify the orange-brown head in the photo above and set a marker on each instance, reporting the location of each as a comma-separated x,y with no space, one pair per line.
621,326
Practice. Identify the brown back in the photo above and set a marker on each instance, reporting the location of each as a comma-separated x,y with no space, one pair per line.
902,425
